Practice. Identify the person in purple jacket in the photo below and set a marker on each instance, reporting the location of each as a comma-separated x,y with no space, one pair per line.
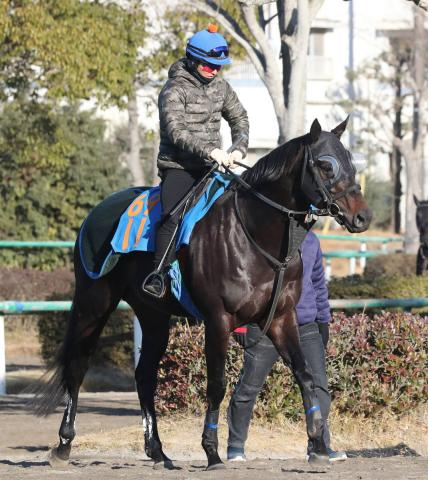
313,316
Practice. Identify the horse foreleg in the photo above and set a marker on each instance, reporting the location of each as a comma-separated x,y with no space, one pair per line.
285,336
421,263
216,344
155,329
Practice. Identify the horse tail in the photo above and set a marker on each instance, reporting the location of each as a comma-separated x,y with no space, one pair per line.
50,391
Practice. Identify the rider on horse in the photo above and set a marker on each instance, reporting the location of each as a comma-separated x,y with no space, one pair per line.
191,105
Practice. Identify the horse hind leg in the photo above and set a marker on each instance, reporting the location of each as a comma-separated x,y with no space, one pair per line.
87,320
155,329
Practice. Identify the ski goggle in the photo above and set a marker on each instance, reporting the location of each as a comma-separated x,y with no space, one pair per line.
209,68
216,52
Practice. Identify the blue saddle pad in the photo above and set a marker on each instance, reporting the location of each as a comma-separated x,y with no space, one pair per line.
136,231
137,226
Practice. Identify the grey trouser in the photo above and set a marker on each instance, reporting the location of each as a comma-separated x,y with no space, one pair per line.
258,362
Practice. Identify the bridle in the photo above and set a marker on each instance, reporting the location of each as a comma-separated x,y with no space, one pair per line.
331,209
298,227
324,189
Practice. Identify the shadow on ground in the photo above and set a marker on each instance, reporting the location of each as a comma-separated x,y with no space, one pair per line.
401,450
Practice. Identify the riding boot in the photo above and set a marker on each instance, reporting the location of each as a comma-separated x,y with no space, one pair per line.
155,283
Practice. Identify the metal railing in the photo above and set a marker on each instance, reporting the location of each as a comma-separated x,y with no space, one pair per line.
352,256
23,308
36,244
12,307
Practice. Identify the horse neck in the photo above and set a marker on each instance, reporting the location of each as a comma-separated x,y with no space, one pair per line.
286,191
267,225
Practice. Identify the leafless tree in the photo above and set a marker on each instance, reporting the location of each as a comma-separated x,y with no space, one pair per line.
412,148
421,3
286,83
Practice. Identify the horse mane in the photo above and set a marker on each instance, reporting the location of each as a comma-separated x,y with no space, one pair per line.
274,164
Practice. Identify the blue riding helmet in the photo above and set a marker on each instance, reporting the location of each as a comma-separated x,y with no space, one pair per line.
208,46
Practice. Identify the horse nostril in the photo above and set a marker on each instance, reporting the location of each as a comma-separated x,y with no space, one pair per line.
362,218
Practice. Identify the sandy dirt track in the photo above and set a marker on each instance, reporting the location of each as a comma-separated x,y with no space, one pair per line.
25,441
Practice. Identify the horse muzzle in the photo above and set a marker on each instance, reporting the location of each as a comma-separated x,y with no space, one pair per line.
359,222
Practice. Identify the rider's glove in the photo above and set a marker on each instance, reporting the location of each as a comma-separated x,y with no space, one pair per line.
235,156
240,335
220,156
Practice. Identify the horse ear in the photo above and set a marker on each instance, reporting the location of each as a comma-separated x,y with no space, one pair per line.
415,199
338,131
315,131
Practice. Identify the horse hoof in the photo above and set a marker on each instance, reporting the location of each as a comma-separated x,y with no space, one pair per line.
318,459
164,465
56,462
216,466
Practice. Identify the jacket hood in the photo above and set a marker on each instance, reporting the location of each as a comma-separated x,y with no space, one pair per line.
180,69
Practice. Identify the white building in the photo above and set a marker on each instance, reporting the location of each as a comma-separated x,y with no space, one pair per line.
333,48
329,58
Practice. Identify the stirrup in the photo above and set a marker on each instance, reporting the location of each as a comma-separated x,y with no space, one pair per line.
154,284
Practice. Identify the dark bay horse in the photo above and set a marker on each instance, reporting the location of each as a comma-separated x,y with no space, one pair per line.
229,269
422,224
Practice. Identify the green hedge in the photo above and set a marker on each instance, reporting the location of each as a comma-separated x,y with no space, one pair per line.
373,364
377,363
115,347
384,287
402,264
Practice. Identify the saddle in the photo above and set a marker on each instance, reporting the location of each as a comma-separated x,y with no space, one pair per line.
126,222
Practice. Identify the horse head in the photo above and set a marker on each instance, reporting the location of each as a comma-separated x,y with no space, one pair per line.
422,220
328,178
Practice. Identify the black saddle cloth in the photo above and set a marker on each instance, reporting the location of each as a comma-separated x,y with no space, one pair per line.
100,226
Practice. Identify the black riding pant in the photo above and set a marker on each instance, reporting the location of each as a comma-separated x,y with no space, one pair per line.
258,362
174,186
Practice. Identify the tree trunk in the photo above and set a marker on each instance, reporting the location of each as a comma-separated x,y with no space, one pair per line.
414,154
298,77
414,187
396,154
133,158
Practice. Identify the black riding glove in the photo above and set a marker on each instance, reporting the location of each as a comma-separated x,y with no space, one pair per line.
324,328
240,335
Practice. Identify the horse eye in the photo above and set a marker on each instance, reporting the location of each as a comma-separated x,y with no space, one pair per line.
326,167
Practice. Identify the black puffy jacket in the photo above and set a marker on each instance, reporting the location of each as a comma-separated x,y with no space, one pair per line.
190,113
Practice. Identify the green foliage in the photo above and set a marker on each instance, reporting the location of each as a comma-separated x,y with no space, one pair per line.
377,363
55,165
115,347
384,287
73,49
372,364
351,287
402,264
